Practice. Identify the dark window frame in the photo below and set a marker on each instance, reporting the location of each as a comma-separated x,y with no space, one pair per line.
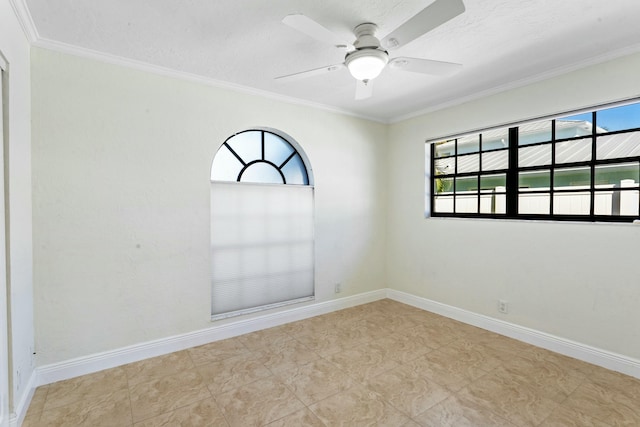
513,171
246,163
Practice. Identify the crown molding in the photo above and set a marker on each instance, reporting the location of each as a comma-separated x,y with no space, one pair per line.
108,58
24,18
23,15
554,72
28,26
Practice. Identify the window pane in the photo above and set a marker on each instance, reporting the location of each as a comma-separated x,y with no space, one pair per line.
534,156
466,203
572,178
445,166
443,185
629,202
295,172
572,203
467,183
263,173
603,202
618,146
276,149
573,126
618,175
581,165
493,203
534,180
495,160
486,203
443,204
530,133
573,151
535,203
248,145
225,166
469,144
618,118
500,203
495,138
616,202
491,183
469,163
445,148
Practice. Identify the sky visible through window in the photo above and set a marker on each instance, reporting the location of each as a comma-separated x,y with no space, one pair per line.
573,171
613,119
259,156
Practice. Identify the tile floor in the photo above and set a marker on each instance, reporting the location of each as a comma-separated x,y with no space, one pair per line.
378,364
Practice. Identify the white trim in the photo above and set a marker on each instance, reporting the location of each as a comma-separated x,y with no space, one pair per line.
251,310
16,418
109,359
58,46
25,19
596,356
296,145
108,58
5,329
538,77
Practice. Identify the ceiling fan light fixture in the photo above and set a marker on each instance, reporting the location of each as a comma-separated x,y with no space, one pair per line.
366,64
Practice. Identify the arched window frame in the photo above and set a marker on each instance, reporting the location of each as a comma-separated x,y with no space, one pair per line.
246,162
274,264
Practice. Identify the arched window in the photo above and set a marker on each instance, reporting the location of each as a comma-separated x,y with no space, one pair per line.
259,156
261,224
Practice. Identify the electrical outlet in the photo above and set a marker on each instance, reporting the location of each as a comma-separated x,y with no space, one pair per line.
338,288
503,306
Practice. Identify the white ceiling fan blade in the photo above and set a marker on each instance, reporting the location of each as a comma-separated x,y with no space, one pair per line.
432,16
311,28
310,73
364,89
425,66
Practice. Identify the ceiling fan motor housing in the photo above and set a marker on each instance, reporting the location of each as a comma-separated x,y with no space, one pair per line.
366,36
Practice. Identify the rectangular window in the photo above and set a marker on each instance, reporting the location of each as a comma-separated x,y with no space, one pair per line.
579,167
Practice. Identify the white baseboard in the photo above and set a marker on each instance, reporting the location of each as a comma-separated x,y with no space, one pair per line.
17,417
109,359
225,329
596,356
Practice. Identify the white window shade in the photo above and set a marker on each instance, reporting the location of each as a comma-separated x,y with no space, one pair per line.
262,246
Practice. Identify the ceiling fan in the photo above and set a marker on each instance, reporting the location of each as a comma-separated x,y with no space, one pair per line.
368,56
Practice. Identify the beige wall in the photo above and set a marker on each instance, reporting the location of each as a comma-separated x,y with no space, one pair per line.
15,48
121,210
577,281
121,162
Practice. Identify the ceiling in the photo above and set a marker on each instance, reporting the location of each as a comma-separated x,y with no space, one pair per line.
501,44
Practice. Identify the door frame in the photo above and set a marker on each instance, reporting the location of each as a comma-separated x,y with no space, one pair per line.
5,375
